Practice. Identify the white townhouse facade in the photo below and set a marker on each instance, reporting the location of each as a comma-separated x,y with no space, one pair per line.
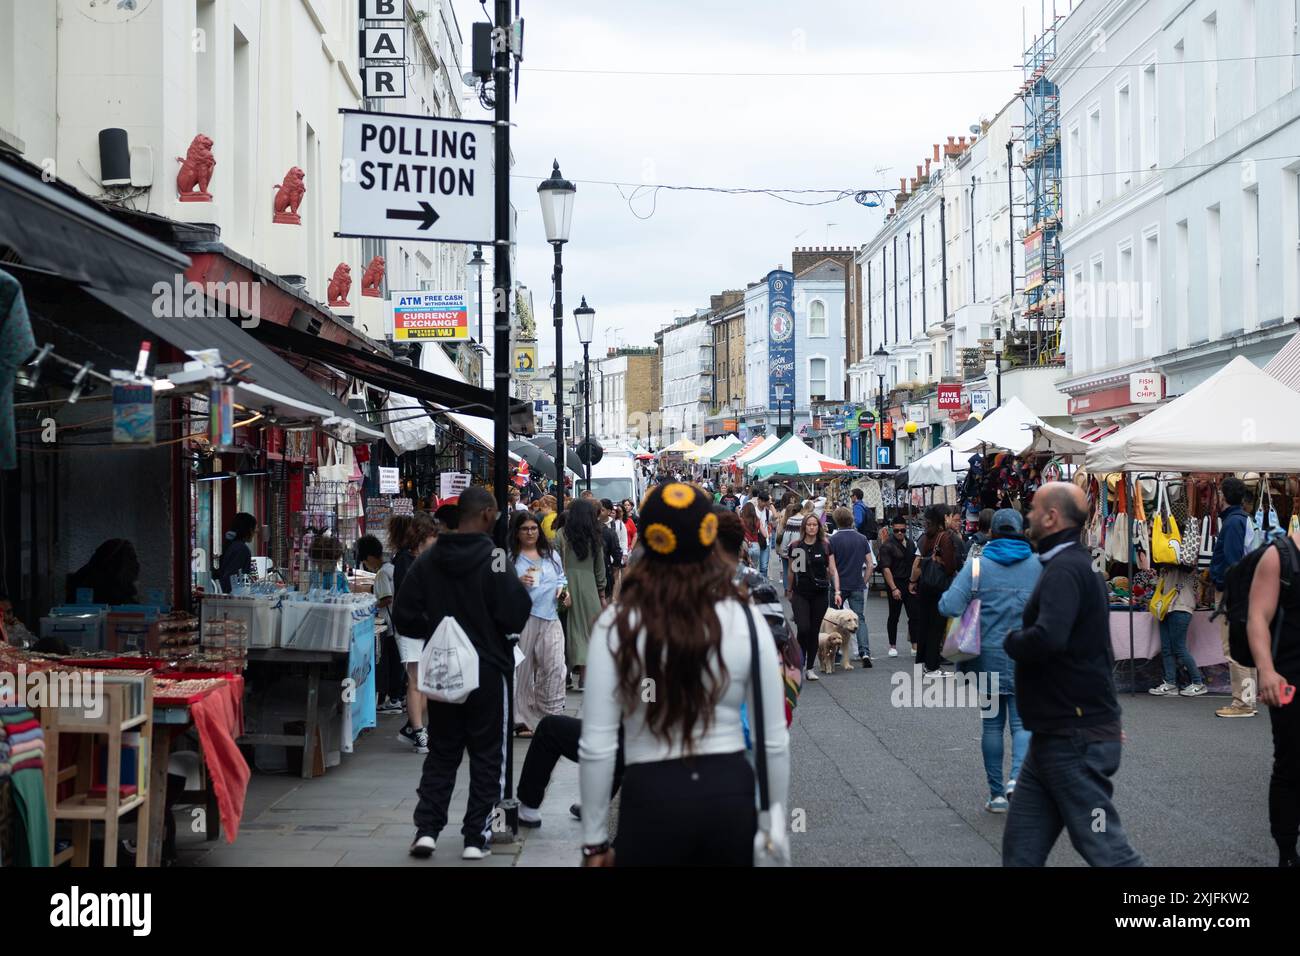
1181,162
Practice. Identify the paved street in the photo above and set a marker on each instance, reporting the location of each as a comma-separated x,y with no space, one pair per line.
878,786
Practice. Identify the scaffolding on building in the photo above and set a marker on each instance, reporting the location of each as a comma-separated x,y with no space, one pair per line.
1039,141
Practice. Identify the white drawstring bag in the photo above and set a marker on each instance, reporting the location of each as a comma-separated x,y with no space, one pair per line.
449,664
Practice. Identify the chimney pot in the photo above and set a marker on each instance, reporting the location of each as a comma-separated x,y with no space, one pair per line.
952,140
936,152
927,167
918,171
961,140
902,184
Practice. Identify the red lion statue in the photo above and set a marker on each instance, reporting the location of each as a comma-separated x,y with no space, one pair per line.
196,170
340,285
373,277
287,197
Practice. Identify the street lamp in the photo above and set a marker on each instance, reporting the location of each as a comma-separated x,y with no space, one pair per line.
476,266
585,318
556,196
998,346
880,362
780,408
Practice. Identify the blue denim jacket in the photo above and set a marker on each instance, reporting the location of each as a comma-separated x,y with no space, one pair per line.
1009,571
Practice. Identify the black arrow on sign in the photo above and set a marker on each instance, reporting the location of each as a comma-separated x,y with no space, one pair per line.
424,215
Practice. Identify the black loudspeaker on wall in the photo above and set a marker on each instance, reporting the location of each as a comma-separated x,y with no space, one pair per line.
114,158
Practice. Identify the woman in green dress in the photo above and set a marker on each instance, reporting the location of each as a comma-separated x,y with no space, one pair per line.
581,549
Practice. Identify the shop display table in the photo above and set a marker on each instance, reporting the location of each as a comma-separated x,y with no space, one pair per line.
316,662
1203,638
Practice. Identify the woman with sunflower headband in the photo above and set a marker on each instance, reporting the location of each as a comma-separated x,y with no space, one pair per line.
671,663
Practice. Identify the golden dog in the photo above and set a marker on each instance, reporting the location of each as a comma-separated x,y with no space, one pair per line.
838,632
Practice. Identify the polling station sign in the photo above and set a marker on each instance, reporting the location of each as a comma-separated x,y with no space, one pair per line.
418,316
415,177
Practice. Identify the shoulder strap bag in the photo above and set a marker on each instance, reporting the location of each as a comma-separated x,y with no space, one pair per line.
771,848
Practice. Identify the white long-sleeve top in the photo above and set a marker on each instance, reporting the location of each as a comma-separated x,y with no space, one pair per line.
602,714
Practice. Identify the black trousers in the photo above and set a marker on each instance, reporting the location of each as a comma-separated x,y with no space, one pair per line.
477,725
390,678
556,736
809,609
895,610
930,626
1284,784
696,811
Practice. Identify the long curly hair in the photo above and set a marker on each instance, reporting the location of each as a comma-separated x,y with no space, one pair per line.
516,523
673,605
581,530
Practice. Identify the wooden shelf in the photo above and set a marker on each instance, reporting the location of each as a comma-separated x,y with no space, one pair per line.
63,856
83,807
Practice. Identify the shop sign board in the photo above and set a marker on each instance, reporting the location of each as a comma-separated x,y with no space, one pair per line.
430,315
525,359
1144,388
919,412
980,401
133,418
452,483
949,397
389,481
416,177
1033,260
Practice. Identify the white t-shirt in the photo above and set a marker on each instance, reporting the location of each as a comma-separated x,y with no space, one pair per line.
384,589
602,715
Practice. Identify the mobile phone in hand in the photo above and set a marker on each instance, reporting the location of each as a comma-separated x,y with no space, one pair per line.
1287,695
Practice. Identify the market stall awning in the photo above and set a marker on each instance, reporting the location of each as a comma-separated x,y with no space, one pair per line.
1239,419
1006,428
941,466
53,227
744,449
679,447
391,375
794,458
1285,365
722,452
275,382
1050,439
751,455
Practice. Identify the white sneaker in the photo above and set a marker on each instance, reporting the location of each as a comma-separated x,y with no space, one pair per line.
476,853
1165,689
997,805
423,847
893,652
811,675
1193,690
1010,788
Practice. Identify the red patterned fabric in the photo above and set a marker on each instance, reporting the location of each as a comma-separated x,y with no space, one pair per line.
219,718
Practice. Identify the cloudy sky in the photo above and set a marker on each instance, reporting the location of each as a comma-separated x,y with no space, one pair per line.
642,262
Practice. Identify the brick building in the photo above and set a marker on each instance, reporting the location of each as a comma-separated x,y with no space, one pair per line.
727,324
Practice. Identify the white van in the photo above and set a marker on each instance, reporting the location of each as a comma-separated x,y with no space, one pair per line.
615,477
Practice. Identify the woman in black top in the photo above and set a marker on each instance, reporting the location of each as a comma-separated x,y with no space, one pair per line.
942,543
812,574
237,558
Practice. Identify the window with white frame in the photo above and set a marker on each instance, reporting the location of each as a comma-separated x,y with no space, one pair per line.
1210,74
817,377
1123,136
817,319
1125,318
1291,240
1180,95
1078,311
1214,271
1250,257
1149,112
1147,340
1182,284
1073,184
1250,66
1094,158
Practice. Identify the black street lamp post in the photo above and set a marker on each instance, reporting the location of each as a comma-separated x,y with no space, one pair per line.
880,360
556,195
585,318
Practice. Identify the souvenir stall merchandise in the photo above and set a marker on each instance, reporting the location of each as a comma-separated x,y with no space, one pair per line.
157,702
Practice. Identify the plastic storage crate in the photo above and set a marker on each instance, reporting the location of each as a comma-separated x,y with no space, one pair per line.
261,613
323,625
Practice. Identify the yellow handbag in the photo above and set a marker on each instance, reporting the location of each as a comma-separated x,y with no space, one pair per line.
1165,536
1162,600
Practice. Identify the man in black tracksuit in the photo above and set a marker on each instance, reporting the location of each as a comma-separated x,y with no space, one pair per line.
465,576
1066,696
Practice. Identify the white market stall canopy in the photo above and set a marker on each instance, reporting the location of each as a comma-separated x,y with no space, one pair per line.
1006,428
753,454
1239,419
937,467
710,448
732,446
793,457
743,450
1285,365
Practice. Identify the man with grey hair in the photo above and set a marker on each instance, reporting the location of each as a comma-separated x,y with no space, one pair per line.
1066,695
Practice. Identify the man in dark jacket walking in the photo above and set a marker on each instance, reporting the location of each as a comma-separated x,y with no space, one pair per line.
1066,696
1229,548
465,577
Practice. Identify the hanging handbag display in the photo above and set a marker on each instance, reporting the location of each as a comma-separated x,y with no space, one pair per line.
1266,517
1162,600
1165,535
962,642
771,846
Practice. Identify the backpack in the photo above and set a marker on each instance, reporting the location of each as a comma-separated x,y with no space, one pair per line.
1235,605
